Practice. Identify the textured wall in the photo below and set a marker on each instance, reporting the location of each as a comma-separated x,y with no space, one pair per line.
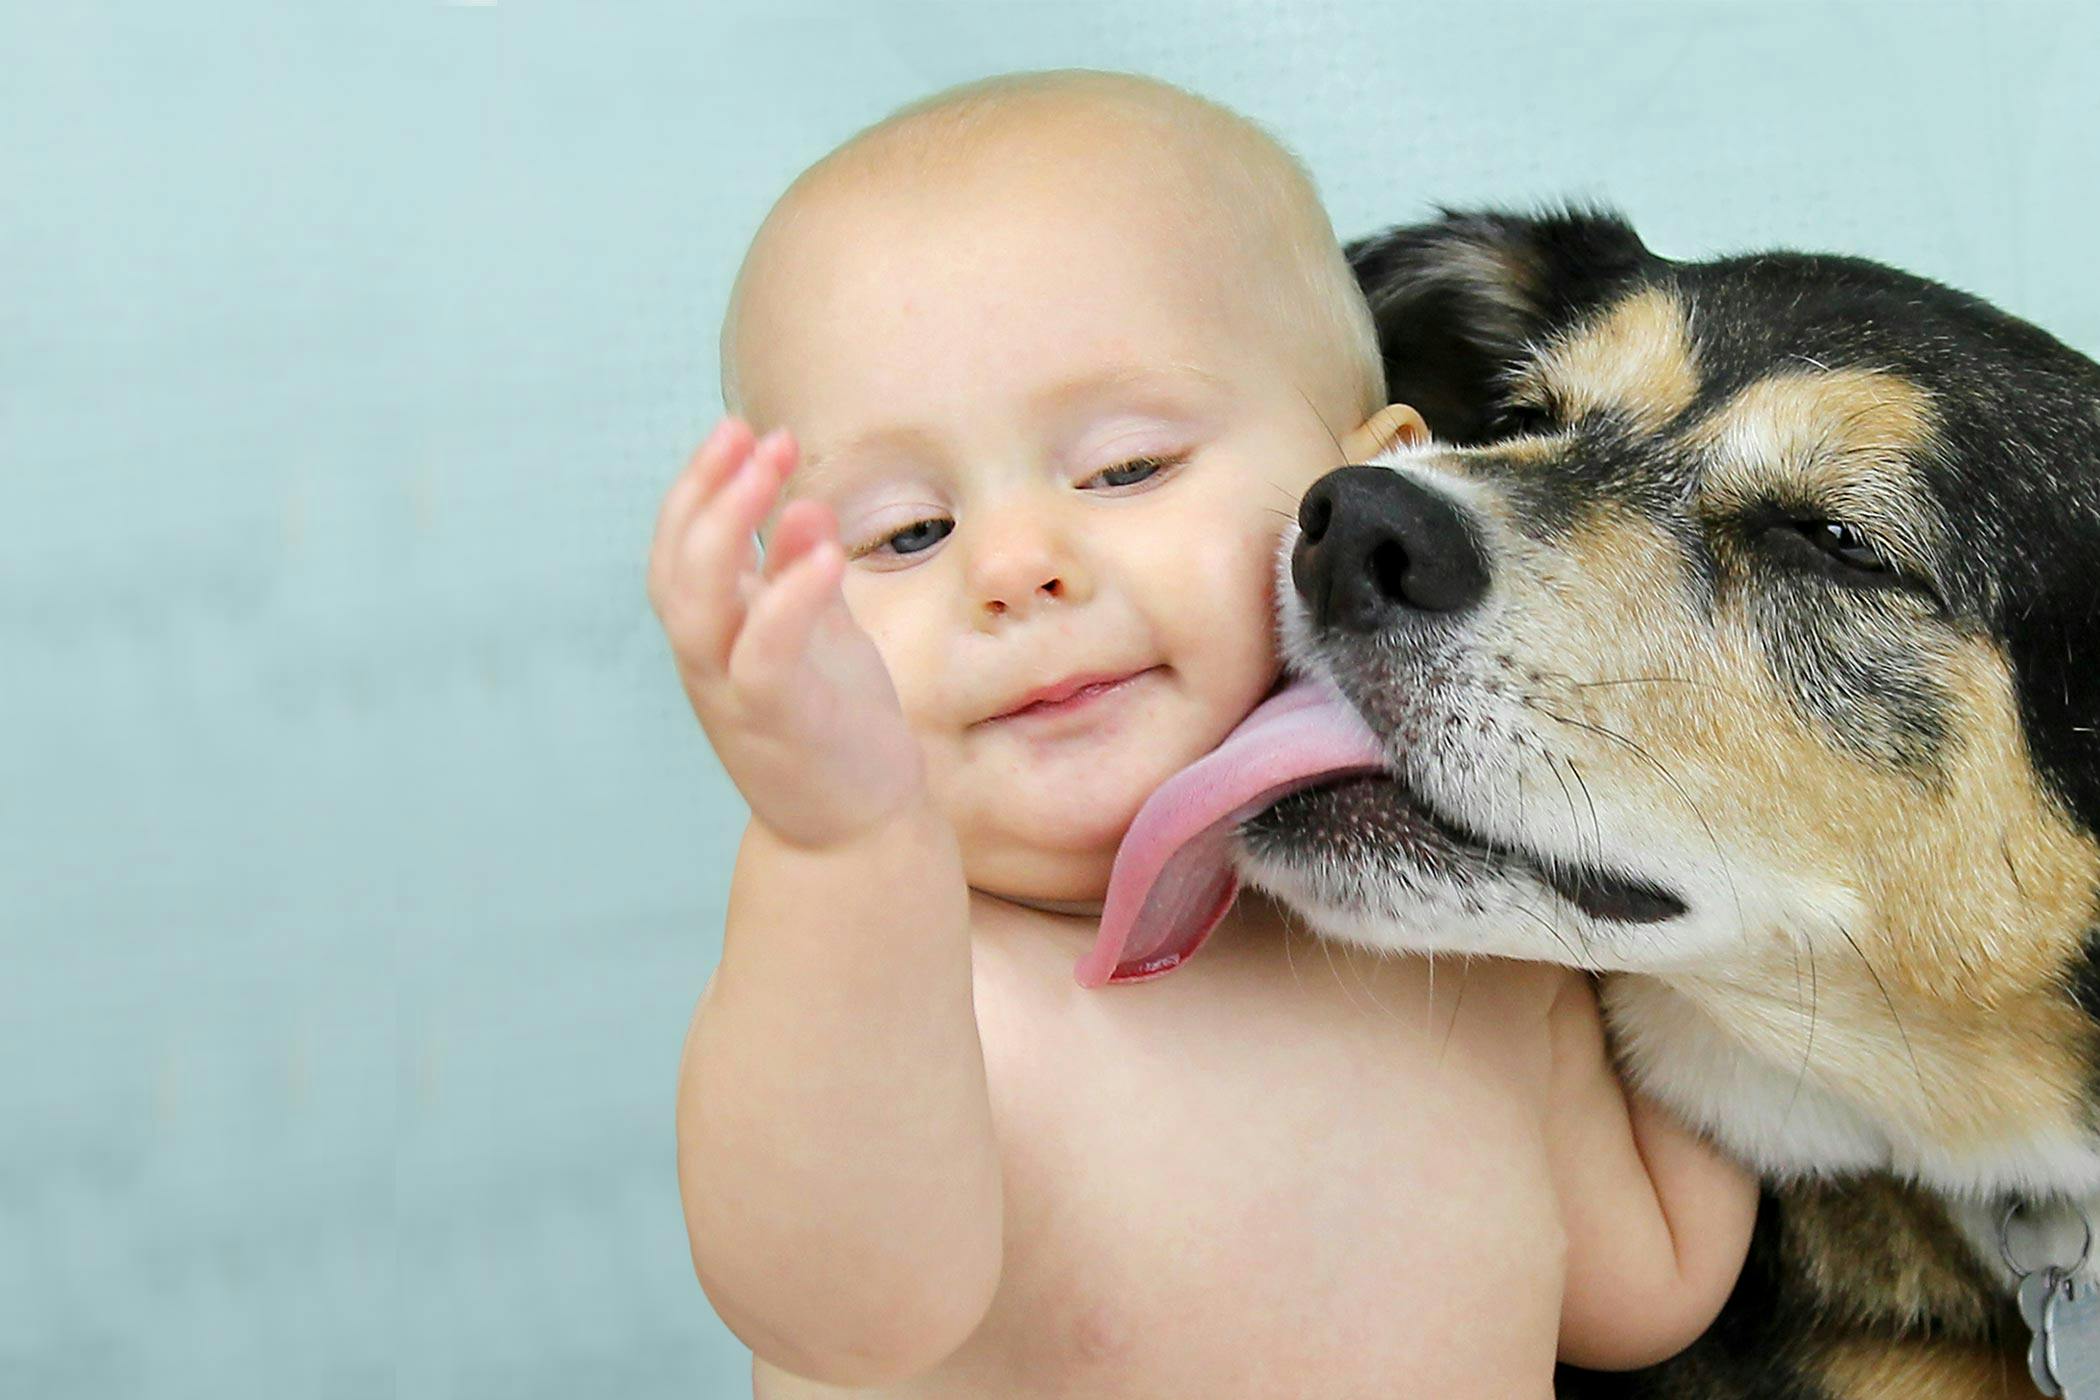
359,862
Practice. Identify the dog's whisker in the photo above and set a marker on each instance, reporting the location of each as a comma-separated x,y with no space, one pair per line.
1662,680
2012,871
1575,957
1327,952
1465,965
1808,1049
1712,837
1290,959
1574,824
1363,980
1596,827
1918,1073
1429,1015
1341,453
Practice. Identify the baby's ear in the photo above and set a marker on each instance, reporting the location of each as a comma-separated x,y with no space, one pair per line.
1393,427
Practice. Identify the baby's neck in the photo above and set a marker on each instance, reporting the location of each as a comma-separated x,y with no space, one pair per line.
1251,909
1078,908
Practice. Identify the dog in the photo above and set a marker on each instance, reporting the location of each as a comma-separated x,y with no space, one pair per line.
1737,638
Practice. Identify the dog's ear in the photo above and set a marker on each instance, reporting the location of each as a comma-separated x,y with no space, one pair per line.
1458,301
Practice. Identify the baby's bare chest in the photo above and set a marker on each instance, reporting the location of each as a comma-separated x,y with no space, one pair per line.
1270,1174
1284,1174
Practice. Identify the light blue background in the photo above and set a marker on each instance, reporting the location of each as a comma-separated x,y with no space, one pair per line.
359,861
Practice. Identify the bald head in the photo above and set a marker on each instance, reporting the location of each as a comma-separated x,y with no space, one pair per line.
1219,195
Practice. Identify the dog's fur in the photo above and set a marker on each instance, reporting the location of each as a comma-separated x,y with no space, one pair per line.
1782,709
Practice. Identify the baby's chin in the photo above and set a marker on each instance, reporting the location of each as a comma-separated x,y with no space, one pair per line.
1049,829
1043,849
1073,811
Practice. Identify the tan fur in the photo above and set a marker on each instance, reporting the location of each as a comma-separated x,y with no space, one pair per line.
1969,932
1875,1369
1637,360
1526,451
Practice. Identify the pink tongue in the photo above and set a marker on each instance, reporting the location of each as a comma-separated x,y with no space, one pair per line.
1173,878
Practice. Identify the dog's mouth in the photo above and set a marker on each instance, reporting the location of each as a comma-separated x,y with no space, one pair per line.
1371,821
1304,781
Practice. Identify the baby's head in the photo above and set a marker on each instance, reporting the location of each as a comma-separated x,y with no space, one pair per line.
1062,351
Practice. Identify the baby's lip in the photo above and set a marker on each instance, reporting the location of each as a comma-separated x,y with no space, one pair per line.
1065,695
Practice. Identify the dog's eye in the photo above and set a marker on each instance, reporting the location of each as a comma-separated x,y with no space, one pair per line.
1523,419
1840,552
1845,544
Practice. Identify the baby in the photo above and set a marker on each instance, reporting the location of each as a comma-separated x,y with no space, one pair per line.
1060,353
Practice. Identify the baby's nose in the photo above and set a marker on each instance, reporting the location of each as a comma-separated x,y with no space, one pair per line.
997,604
1019,565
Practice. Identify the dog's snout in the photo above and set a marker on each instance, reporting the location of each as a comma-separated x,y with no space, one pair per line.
1376,548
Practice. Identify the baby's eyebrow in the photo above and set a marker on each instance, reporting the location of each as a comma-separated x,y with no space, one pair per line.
1168,378
899,441
1166,375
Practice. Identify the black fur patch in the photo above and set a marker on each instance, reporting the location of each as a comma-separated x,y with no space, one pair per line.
2054,642
1456,301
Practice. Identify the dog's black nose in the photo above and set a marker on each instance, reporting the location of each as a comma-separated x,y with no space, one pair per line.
1376,547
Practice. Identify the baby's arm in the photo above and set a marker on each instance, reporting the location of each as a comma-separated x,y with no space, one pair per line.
1657,1221
835,1152
835,1148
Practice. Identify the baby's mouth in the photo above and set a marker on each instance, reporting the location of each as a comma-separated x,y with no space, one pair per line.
1068,696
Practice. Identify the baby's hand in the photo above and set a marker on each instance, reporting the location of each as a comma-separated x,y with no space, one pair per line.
790,690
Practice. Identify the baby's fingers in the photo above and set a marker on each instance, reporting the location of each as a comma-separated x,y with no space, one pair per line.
724,450
716,552
803,525
781,620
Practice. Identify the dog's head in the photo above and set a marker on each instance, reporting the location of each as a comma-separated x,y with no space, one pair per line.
1742,630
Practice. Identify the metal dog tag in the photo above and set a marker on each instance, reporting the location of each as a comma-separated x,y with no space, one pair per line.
2061,1309
2036,1289
2071,1331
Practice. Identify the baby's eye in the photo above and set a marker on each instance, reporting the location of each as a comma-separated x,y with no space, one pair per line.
915,538
1130,473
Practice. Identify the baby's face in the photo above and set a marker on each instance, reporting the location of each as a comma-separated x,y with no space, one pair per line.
1061,451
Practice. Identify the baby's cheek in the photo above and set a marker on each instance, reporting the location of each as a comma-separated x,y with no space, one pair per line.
1234,623
908,656
1250,567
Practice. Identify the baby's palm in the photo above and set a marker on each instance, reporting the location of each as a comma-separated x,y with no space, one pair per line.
790,689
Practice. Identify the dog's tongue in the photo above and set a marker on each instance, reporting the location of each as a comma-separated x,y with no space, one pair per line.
1173,880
